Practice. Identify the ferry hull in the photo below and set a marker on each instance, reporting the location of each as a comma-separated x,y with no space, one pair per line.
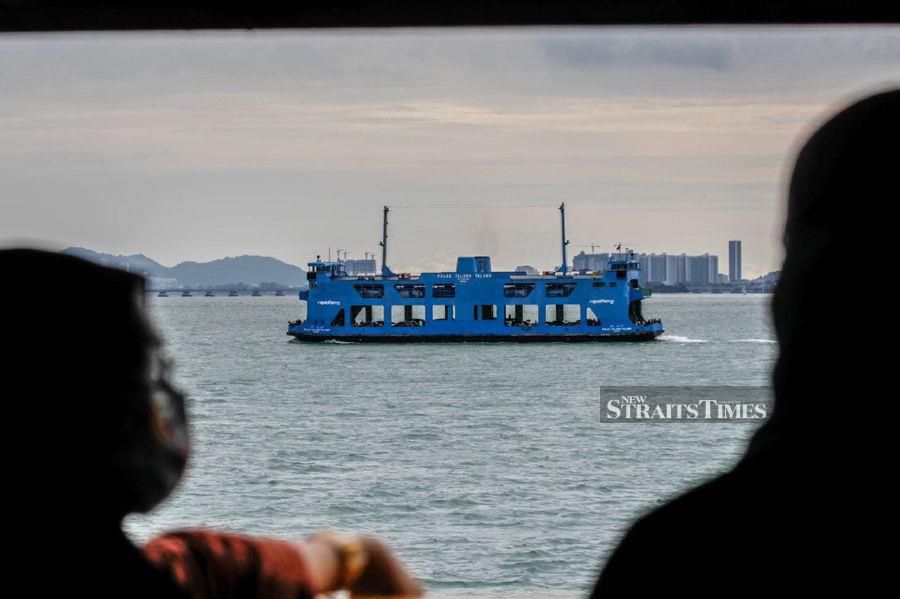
483,338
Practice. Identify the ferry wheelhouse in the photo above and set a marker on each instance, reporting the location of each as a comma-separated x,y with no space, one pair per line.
475,303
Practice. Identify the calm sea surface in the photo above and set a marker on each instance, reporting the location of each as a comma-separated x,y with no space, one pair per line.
484,465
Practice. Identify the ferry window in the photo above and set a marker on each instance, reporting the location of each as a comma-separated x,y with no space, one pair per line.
591,318
367,316
560,289
518,315
443,290
407,290
600,284
369,290
517,289
443,312
339,319
484,312
562,314
613,284
621,274
634,283
412,315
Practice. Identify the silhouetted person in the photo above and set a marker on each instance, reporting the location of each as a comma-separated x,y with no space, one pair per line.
94,430
810,507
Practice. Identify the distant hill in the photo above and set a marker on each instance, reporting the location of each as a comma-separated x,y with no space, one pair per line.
241,270
138,263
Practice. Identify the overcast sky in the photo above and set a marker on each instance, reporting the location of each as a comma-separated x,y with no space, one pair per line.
199,146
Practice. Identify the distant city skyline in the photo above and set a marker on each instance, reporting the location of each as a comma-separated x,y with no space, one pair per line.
196,146
670,268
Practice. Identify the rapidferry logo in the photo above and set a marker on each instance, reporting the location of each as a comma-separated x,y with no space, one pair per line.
686,404
328,303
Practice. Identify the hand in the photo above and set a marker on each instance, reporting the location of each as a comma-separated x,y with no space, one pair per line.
384,574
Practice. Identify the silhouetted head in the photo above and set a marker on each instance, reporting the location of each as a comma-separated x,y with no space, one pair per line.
101,432
830,310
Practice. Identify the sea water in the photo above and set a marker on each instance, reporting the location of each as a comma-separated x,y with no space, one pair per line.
488,467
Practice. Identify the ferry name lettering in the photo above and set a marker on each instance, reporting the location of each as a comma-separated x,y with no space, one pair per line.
603,301
466,276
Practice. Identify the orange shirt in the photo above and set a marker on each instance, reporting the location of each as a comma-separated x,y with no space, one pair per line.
212,565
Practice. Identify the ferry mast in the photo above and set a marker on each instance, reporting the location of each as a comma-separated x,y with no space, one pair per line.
385,271
562,217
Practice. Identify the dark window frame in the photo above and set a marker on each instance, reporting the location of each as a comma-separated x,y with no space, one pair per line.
372,290
410,290
560,289
515,290
443,290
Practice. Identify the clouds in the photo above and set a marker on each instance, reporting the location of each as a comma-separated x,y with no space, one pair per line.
468,66
599,52
194,146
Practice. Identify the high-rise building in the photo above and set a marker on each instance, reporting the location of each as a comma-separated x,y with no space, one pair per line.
701,269
734,260
668,269
677,269
590,262
653,268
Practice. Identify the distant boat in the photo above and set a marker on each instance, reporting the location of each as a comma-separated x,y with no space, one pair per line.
209,294
233,293
186,294
279,293
256,293
162,294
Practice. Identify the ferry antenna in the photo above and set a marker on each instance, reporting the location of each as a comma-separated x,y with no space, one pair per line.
385,271
562,217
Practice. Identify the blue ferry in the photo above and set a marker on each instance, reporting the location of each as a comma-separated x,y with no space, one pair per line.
475,303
